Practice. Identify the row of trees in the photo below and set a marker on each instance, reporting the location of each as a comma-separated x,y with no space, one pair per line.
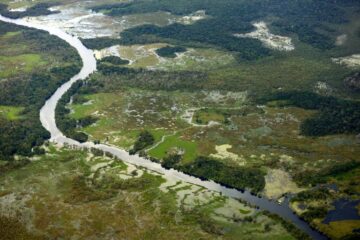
70,126
114,60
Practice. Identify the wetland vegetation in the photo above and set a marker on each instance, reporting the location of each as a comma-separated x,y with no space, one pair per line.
184,90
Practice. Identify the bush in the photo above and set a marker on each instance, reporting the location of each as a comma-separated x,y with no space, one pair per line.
170,52
114,60
144,140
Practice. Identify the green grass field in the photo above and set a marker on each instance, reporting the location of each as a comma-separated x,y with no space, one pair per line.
11,113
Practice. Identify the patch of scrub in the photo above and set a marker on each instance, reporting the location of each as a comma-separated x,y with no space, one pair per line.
13,205
279,182
188,196
196,59
270,40
233,209
219,97
260,132
131,172
223,153
352,61
188,116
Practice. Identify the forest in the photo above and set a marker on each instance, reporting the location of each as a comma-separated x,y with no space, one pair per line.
115,77
334,115
306,19
31,91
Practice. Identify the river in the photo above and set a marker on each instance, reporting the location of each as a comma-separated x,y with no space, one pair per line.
47,117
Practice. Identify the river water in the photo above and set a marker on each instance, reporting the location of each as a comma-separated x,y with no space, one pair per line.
47,117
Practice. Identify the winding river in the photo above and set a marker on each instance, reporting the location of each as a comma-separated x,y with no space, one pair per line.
47,117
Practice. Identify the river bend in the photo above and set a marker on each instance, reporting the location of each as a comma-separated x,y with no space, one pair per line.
47,117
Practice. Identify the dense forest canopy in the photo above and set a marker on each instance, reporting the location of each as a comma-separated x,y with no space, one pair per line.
307,19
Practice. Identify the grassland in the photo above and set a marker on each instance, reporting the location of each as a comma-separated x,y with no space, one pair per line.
11,113
17,58
19,64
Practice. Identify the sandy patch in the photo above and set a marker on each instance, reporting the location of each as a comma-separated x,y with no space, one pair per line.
223,153
192,18
279,182
106,52
269,40
21,9
352,61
